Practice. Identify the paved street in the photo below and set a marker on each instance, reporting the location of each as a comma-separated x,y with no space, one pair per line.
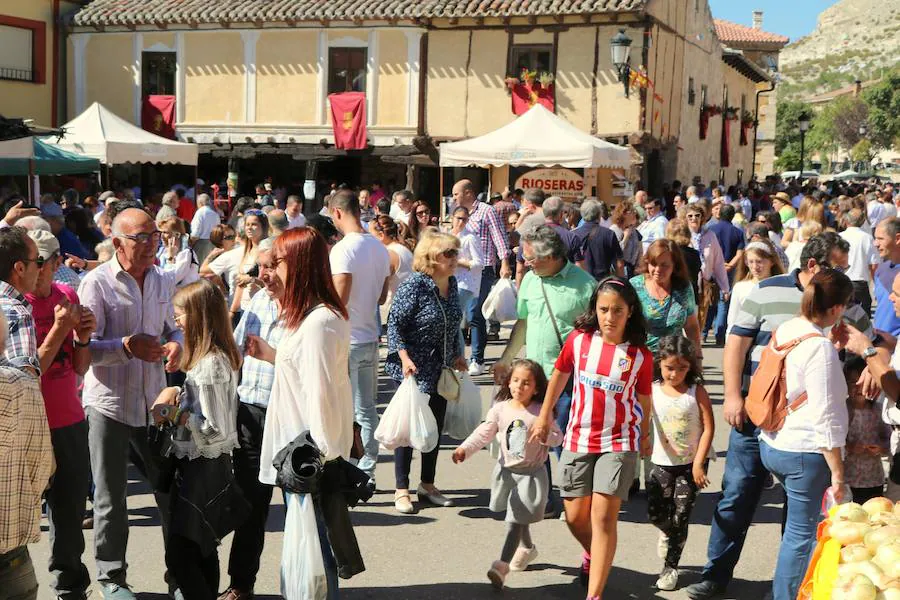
443,553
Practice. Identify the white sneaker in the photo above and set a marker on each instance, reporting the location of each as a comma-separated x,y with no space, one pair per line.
475,369
662,545
522,558
668,579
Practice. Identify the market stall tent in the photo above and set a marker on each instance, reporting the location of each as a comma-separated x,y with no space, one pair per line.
46,159
538,138
17,148
101,134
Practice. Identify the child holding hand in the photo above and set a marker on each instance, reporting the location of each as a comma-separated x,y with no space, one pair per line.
519,482
683,431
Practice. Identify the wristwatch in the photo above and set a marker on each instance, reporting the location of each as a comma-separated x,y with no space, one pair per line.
869,352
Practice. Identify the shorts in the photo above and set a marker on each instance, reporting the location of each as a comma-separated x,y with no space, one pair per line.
610,473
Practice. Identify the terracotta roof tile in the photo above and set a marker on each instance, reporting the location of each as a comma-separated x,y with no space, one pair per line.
171,12
733,33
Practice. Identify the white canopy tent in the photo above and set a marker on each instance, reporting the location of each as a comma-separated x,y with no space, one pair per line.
101,134
17,148
537,138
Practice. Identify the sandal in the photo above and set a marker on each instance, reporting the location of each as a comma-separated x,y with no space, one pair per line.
403,503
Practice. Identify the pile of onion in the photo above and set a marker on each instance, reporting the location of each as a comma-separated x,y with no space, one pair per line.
870,550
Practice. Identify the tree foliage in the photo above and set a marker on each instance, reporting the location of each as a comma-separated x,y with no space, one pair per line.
883,100
787,135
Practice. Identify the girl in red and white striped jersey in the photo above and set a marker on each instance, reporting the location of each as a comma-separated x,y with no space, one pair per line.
613,370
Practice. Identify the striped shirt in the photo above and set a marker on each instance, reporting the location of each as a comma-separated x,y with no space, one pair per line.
772,302
119,387
21,341
257,376
485,223
26,458
605,415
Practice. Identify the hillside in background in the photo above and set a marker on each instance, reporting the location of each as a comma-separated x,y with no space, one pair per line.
854,39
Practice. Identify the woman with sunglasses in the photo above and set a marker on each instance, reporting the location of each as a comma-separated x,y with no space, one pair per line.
175,255
423,338
420,221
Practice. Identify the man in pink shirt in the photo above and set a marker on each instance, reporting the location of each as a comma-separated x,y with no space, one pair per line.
64,331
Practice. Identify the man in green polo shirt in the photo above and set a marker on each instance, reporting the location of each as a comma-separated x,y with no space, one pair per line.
552,295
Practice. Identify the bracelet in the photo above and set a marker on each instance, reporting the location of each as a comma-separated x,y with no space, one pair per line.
86,344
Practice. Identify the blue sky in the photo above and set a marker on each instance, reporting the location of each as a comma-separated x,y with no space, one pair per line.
793,18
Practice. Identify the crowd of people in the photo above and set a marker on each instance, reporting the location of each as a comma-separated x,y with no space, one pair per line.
220,353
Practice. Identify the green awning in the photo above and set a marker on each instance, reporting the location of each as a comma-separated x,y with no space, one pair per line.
49,160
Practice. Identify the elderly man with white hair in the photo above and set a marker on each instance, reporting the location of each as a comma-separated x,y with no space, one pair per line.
169,207
205,219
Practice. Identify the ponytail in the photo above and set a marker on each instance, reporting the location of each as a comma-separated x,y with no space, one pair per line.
828,288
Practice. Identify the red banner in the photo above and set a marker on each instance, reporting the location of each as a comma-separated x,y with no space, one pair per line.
725,159
348,118
158,115
525,95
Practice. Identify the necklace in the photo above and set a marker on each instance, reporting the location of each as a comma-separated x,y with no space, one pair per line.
657,291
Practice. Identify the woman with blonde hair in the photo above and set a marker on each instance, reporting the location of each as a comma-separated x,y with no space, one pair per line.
423,338
206,504
175,254
760,262
811,209
795,248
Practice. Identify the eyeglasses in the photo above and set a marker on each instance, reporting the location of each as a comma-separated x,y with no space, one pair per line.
179,317
450,253
142,238
228,238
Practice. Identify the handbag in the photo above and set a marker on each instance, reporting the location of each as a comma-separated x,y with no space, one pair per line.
448,381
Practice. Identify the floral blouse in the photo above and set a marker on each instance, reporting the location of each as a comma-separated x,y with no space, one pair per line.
416,324
867,429
666,317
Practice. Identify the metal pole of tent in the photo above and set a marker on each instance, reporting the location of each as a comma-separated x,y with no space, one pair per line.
441,194
31,198
196,188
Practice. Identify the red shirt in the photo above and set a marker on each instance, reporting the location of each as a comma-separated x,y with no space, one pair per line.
605,415
186,209
59,383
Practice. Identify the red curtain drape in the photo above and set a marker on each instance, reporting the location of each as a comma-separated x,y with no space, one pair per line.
158,115
348,118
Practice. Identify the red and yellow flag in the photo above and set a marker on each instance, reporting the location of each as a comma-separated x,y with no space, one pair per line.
348,118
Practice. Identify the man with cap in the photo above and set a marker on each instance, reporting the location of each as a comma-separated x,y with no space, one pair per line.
68,241
64,331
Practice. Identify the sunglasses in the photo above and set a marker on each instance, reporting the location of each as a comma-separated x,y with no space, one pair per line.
40,262
450,253
229,237
422,213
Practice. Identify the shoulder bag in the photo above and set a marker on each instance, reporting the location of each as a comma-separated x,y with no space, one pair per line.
448,382
571,382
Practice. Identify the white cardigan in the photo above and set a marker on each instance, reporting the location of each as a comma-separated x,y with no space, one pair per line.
815,367
311,390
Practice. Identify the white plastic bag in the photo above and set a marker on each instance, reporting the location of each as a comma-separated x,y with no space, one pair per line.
408,420
302,566
500,304
464,415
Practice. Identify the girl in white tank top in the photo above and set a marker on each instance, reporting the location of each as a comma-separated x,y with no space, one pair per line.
683,429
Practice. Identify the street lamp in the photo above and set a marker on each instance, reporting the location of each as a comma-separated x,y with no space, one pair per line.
804,127
620,46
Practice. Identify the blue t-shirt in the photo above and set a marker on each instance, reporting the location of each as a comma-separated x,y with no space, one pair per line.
70,244
885,317
731,239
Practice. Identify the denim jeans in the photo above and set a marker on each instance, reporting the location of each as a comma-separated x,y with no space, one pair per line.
466,298
476,319
805,477
742,485
364,383
721,321
563,407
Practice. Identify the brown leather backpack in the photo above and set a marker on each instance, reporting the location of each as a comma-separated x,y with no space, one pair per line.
766,402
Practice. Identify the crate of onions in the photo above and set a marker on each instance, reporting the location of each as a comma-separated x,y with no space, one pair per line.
857,556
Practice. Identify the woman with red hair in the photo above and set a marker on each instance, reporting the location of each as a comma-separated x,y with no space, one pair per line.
311,389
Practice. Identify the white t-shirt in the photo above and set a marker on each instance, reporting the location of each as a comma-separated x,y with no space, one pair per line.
226,266
470,250
397,214
205,219
739,292
677,427
862,254
298,221
368,262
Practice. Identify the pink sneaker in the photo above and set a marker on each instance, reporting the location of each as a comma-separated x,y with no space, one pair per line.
584,574
497,573
522,558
